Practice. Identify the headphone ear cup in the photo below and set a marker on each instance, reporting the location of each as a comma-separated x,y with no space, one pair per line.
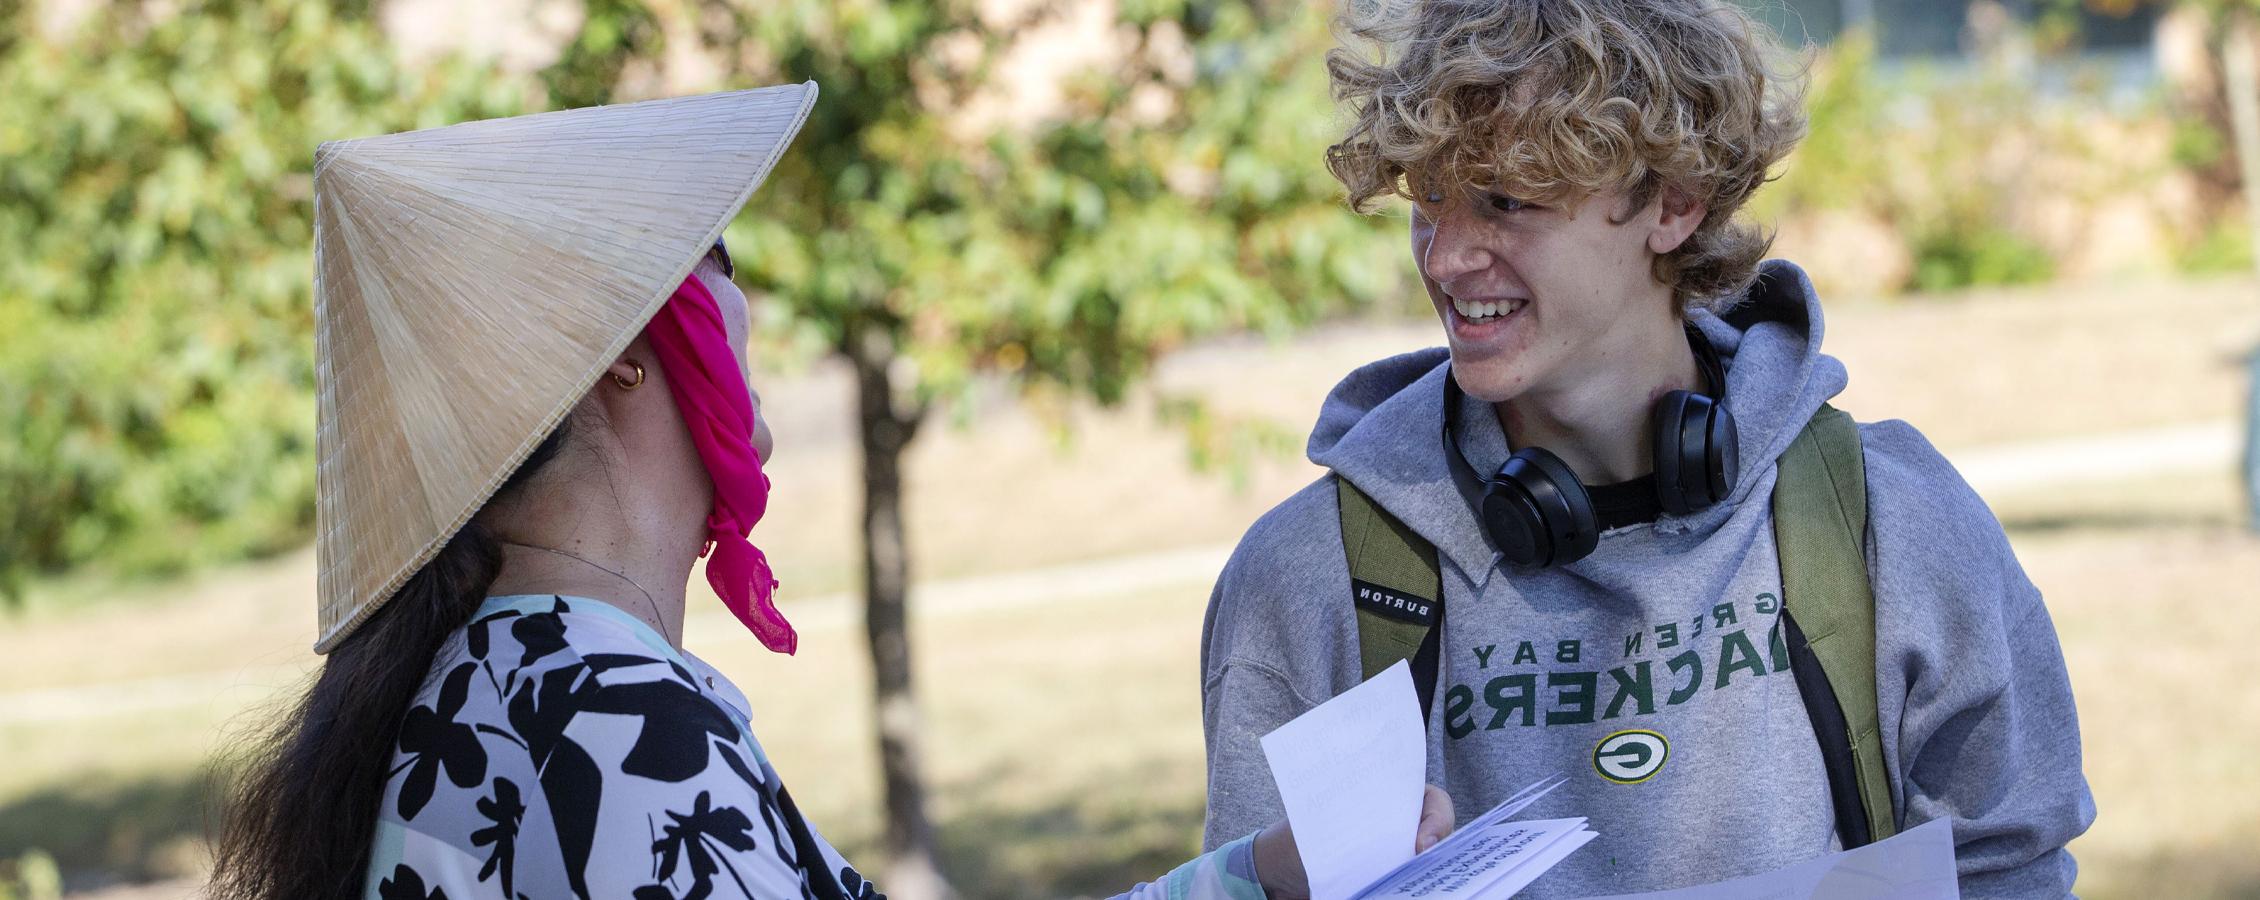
1517,529
1724,459
1670,450
1688,452
1542,515
1696,456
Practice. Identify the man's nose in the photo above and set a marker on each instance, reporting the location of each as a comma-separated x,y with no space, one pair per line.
1453,250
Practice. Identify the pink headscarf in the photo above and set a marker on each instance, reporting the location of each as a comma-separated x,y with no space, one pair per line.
710,391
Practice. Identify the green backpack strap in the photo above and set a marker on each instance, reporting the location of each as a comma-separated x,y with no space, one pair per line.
1396,587
1820,507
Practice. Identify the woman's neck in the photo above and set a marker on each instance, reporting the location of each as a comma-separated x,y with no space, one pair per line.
536,569
581,542
1599,423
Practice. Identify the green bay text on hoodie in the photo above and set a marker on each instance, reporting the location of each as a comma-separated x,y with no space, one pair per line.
1652,671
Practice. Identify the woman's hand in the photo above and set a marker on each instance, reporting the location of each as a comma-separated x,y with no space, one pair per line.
1280,866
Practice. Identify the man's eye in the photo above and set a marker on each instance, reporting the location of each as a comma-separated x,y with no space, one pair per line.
1504,203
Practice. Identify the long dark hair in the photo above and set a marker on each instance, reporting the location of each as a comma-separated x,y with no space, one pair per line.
305,809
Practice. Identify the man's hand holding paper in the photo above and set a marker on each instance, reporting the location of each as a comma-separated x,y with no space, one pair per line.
1351,772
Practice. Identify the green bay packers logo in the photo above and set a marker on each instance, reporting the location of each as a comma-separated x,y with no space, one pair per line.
1631,757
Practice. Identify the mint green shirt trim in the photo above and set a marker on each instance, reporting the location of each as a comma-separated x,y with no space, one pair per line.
530,604
1225,873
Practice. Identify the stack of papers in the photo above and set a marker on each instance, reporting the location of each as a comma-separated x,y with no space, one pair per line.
1918,864
1351,773
1489,858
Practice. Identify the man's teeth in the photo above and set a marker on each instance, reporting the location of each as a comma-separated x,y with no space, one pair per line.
1475,311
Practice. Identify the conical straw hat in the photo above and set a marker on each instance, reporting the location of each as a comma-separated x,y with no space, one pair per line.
472,282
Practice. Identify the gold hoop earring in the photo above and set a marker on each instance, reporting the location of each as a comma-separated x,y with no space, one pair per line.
626,385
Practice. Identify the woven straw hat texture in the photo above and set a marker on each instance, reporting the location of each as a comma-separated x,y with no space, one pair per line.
472,282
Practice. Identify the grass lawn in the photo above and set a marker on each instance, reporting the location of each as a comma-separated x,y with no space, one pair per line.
1064,742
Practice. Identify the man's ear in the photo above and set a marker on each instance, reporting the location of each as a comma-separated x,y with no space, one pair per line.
1679,216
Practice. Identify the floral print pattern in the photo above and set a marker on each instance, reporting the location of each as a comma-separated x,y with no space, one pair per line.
561,748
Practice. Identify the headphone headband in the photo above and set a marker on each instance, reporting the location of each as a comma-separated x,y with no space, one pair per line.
1707,361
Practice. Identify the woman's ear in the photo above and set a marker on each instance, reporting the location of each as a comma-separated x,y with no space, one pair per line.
627,373
1680,215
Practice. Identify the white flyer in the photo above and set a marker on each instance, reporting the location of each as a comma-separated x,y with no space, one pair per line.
1917,864
1350,774
1496,861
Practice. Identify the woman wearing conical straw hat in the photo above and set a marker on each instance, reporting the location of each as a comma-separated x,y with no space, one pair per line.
534,417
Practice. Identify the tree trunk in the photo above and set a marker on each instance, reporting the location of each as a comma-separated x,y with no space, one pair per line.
2240,57
887,428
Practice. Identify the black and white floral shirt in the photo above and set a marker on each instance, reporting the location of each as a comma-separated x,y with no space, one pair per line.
562,748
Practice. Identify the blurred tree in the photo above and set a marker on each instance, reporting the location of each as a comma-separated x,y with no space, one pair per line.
2241,58
156,361
2235,42
935,222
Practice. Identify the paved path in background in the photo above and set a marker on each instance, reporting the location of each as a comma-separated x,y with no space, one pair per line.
1994,471
2176,450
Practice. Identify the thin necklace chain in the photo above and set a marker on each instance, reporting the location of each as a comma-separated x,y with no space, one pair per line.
656,618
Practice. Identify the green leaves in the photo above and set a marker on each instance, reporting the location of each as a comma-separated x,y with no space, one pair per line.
1174,190
156,370
156,352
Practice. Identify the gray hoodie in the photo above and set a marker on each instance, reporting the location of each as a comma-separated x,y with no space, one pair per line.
1669,629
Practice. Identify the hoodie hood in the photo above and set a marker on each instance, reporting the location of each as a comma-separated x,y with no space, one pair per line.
1382,427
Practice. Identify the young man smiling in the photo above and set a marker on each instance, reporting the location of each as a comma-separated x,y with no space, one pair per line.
1586,483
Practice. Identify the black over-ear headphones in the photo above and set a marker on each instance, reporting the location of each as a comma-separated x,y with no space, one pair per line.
1537,513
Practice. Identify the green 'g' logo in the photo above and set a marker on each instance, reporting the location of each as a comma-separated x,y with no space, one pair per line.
1631,757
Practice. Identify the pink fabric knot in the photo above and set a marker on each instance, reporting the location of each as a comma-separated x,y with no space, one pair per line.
710,390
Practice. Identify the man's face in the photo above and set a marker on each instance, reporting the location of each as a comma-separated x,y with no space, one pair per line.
1530,295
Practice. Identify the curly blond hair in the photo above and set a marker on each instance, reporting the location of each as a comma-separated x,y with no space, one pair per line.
1554,101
